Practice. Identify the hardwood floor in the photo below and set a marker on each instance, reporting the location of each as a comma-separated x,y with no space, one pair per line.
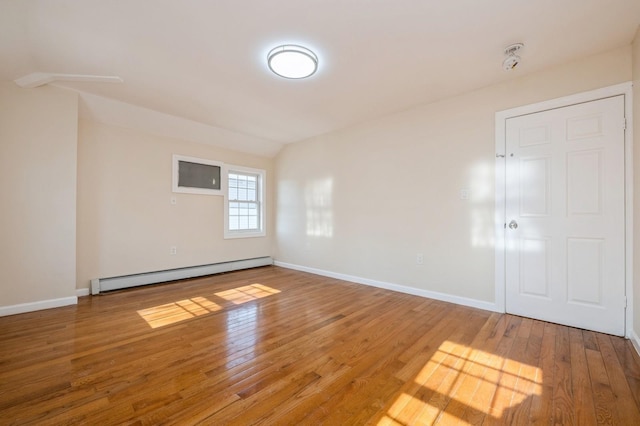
277,347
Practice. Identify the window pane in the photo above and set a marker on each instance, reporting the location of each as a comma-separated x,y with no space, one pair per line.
243,202
243,222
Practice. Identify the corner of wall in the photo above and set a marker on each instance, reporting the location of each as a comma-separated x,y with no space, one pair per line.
635,72
39,133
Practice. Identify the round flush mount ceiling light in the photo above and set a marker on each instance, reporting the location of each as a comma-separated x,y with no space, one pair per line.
292,61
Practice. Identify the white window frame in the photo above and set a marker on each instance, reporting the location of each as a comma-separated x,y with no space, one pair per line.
192,190
262,180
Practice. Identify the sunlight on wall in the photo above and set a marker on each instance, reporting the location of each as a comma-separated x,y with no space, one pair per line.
318,200
482,193
171,313
459,381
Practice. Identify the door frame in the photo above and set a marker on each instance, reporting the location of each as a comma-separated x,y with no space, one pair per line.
501,117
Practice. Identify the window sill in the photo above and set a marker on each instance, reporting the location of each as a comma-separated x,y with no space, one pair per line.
228,235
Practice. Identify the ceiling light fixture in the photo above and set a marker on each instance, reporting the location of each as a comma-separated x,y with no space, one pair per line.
291,61
512,60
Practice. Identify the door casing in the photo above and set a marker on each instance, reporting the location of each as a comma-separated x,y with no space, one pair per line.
500,182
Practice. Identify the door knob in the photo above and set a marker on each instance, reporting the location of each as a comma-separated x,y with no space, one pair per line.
513,224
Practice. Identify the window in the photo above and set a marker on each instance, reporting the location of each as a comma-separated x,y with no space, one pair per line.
196,175
244,203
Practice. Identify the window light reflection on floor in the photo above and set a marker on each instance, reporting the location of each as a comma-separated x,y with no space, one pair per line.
459,381
171,313
247,293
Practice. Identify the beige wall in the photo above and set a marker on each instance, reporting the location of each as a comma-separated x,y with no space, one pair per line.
636,184
38,138
362,201
126,223
365,200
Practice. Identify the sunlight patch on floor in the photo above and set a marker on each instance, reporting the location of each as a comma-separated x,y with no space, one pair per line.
247,293
171,313
459,382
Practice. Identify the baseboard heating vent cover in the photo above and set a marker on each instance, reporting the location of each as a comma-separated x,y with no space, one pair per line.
100,285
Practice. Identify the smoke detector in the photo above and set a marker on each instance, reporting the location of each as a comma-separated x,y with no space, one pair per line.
512,60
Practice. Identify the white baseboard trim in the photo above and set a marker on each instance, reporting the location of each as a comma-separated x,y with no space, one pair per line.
81,292
37,306
635,341
458,300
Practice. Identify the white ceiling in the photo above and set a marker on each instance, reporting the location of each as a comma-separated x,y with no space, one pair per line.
203,61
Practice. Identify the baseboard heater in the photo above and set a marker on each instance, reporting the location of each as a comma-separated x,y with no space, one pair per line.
99,285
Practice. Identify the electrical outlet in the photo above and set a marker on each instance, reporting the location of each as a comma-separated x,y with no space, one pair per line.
174,201
173,250
419,259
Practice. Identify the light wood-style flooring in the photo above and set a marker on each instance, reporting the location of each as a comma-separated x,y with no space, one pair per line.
279,347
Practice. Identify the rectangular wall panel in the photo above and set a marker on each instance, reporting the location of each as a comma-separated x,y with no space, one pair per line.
535,186
585,262
535,266
584,127
584,183
537,135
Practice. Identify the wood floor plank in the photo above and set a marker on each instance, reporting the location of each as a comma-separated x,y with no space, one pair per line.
472,371
504,375
276,346
603,396
563,398
434,393
493,349
628,359
625,402
529,384
416,371
584,405
541,409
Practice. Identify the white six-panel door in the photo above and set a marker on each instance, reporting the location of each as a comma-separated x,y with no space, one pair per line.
564,243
